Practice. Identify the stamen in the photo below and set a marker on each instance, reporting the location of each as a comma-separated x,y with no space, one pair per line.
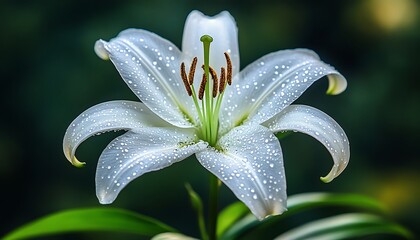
229,69
222,80
185,80
215,81
192,70
202,87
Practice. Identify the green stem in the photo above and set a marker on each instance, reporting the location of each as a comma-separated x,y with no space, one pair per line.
213,207
211,137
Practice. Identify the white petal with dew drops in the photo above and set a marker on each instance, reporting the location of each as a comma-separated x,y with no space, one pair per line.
107,116
273,82
150,65
138,152
250,163
319,125
222,28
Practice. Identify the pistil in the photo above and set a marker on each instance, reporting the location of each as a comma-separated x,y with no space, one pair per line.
210,92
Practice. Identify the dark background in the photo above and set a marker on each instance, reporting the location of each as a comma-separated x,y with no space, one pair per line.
50,74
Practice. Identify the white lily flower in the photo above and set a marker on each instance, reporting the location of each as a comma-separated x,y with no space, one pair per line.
232,133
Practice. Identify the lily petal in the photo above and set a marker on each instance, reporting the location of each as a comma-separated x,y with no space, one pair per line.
150,66
319,125
138,152
267,86
104,117
222,28
250,163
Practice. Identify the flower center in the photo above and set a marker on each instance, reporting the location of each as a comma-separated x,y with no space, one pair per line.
210,93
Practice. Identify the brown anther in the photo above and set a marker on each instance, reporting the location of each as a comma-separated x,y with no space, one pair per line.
185,80
222,80
202,87
192,71
215,81
229,69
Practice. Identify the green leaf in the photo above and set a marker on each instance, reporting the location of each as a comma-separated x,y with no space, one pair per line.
343,227
305,201
240,227
299,203
230,215
89,220
197,204
194,198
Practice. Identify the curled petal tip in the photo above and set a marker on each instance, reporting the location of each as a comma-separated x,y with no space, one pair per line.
274,212
100,50
337,84
77,163
333,173
104,201
72,159
329,177
325,179
104,198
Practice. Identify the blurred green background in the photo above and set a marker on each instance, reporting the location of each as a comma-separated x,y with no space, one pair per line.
50,74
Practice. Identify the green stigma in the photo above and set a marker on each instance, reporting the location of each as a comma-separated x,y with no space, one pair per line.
206,39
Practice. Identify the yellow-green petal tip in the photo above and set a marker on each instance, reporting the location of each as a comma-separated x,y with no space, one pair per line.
77,163
325,179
